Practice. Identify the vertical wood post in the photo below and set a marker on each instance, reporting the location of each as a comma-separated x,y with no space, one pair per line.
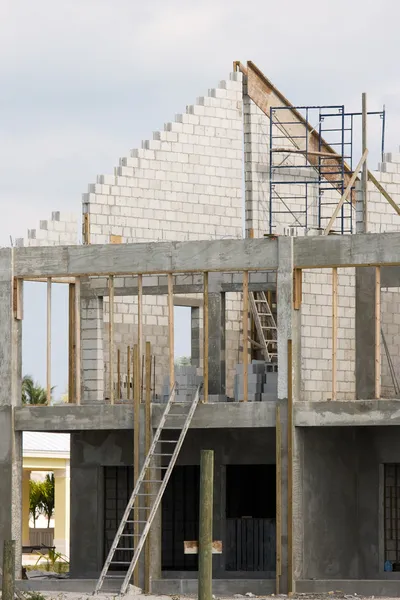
118,374
377,332
136,450
111,336
147,442
206,524
334,330
128,372
140,331
8,586
364,175
205,337
78,357
171,331
245,335
290,467
48,345
71,343
278,442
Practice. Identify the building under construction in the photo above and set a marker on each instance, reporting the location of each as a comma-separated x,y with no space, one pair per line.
295,353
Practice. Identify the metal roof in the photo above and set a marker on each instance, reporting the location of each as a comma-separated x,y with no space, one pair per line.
34,441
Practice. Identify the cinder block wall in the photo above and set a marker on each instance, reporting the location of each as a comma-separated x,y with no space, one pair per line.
60,229
184,184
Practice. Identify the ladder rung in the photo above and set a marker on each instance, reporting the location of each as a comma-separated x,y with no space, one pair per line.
115,576
120,562
136,521
152,481
161,454
167,441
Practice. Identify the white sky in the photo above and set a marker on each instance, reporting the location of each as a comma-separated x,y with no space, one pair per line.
83,81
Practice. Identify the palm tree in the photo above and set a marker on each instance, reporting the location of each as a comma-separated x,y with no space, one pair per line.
33,393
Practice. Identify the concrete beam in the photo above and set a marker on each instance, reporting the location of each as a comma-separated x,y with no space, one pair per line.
154,257
390,277
97,417
347,414
161,290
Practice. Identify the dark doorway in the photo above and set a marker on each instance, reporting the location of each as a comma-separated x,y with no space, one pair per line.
180,518
250,518
118,487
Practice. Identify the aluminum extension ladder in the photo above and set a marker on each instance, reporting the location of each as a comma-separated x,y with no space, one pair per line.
265,325
124,541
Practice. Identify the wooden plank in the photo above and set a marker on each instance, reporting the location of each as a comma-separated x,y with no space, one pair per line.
278,453
297,288
140,329
111,337
364,174
71,344
377,332
290,468
128,372
334,331
147,559
245,318
136,449
8,580
171,330
206,524
86,228
118,374
384,193
193,547
115,239
48,343
78,357
346,192
18,299
205,337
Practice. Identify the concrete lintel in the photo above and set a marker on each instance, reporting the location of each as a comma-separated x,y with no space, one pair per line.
161,290
347,414
97,417
154,257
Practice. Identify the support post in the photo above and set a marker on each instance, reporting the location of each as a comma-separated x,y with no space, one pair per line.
111,336
128,372
205,524
48,344
278,441
377,332
171,331
147,448
334,330
78,356
364,175
245,335
118,374
205,337
71,343
140,327
290,467
8,586
136,447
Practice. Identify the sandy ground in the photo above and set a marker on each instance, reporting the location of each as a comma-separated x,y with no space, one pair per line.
134,595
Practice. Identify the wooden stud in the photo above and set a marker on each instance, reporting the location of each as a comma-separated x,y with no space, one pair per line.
334,330
290,468
118,374
278,441
147,560
48,345
377,332
364,174
8,582
86,228
78,358
136,450
128,372
71,343
18,299
111,336
140,330
245,335
171,330
205,337
297,288
206,524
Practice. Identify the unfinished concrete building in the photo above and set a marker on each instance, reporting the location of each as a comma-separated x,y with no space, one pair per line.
295,352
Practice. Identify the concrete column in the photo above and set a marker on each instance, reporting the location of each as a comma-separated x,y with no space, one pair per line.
216,340
26,478
62,510
10,396
365,333
92,373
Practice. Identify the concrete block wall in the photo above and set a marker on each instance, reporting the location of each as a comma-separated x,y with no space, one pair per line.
184,184
60,230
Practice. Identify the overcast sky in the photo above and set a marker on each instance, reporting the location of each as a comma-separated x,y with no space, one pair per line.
83,81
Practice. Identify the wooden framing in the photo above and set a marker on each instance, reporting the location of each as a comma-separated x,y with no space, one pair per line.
278,442
364,174
171,331
71,344
334,330
245,336
18,299
86,229
147,420
205,337
290,467
128,372
140,329
78,357
111,337
297,288
377,332
136,445
48,344
118,374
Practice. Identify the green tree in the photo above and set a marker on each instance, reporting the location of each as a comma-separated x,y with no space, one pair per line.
183,361
48,497
35,499
33,393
